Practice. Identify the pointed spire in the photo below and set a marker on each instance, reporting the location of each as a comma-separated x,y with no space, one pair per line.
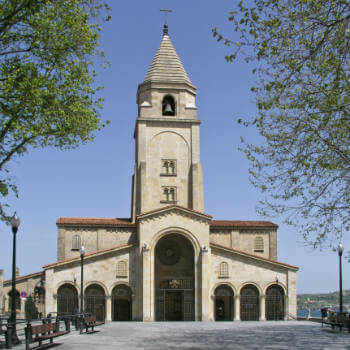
166,65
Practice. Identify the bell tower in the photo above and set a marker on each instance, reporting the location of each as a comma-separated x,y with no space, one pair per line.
167,155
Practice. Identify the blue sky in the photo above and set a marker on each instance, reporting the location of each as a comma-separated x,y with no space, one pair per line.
95,180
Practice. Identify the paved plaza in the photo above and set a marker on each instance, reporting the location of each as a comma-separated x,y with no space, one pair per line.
206,335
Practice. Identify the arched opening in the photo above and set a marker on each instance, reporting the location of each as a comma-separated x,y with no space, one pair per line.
249,303
224,303
67,300
94,299
174,279
121,303
274,303
168,105
17,300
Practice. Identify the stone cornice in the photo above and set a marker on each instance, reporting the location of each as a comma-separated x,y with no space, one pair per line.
174,120
177,209
94,222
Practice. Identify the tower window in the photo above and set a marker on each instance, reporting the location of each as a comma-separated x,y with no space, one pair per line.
168,105
168,167
223,272
169,195
76,242
259,244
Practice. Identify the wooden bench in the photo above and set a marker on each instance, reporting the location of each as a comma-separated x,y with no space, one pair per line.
42,332
340,321
90,322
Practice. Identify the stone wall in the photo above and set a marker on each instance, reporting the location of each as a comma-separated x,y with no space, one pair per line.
92,238
98,269
244,239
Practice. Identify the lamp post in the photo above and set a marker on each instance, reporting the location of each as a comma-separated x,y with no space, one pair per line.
340,253
277,299
15,222
82,253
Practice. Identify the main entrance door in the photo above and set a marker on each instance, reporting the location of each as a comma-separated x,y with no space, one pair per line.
174,279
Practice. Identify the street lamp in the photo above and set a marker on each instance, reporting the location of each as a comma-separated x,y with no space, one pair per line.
15,222
340,250
277,298
82,253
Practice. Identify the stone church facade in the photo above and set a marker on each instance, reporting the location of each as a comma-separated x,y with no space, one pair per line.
170,261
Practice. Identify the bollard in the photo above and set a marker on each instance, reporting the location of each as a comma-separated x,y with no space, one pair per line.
28,334
9,335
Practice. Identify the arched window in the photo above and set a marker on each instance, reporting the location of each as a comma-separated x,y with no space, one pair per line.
76,242
122,269
168,105
168,167
169,195
223,272
258,244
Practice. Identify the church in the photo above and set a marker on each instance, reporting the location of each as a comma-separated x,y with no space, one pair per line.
170,261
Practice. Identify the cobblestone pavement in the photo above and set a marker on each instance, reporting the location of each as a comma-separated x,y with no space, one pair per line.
206,335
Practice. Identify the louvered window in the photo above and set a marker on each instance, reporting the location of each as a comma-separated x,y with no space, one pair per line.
122,269
223,269
258,244
76,242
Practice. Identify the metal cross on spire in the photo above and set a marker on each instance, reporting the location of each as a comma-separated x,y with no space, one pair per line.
166,11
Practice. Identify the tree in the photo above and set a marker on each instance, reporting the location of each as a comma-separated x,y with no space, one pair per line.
47,96
300,50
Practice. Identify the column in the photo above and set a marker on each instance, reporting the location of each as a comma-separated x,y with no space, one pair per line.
146,283
262,308
237,316
205,284
108,308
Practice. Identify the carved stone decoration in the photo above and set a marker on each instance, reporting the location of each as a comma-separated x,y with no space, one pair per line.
145,248
169,252
175,284
204,249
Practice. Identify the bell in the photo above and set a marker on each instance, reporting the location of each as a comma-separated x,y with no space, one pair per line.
168,110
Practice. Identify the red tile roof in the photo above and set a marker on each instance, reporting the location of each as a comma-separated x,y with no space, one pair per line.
31,275
239,223
95,221
97,252
240,252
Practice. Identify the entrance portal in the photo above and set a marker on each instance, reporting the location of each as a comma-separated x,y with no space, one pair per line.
94,298
275,303
121,303
174,279
223,303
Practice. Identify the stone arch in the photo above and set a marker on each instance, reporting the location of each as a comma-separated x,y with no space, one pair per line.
283,286
119,283
223,303
226,283
250,302
176,230
67,299
102,285
121,296
251,283
174,282
95,300
170,132
168,100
